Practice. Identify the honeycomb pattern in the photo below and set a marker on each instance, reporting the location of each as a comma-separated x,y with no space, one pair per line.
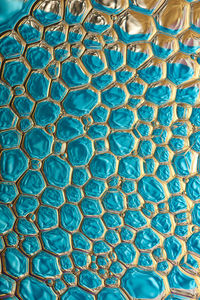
100,143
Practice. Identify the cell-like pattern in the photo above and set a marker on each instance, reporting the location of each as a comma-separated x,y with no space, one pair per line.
99,149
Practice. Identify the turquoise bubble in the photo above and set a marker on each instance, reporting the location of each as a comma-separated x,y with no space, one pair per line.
125,253
196,214
5,94
38,57
145,148
38,86
93,63
145,113
112,237
16,263
123,76
46,17
116,268
100,247
25,205
121,118
172,247
52,196
25,227
113,200
65,262
97,131
179,280
180,129
113,96
136,58
80,241
145,260
89,280
80,151
174,186
182,163
80,258
94,188
149,166
179,73
195,116
29,33
141,129
130,38
129,167
7,218
15,72
112,220
126,234
45,265
46,113
162,223
114,58
161,52
146,239
74,37
177,203
7,118
121,143
92,227
162,154
31,245
54,37
32,183
195,141
23,105
159,135
176,144
13,164
59,285
73,75
80,176
103,165
102,81
80,102
8,192
143,284
57,171
57,91
133,200
165,115
150,74
135,219
188,95
76,293
47,217
7,285
73,194
163,172
70,217
69,128
128,186
31,288
56,240
38,143
25,124
10,47
159,94
193,188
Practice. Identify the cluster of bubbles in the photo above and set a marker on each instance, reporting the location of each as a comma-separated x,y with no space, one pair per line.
100,143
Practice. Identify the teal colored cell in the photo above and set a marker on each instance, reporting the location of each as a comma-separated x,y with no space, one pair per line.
165,115
121,143
174,186
23,105
7,285
189,263
149,166
61,53
151,189
38,86
162,266
195,141
150,74
52,196
113,97
94,188
73,75
90,280
31,288
65,262
80,258
116,268
180,129
129,167
57,91
138,282
135,88
5,94
112,220
12,238
128,186
145,113
69,278
121,118
70,217
7,118
196,214
80,176
195,116
25,124
112,237
80,102
92,227
145,260
103,165
31,245
163,172
161,52
148,209
59,285
145,148
76,293
99,114
193,188
136,58
113,200
73,194
177,203
176,144
54,37
146,239
97,131
159,94
30,33
102,81
80,151
162,154
38,57
68,128
80,241
101,248
179,280
32,183
25,205
45,265
182,163
38,143
15,72
114,58
16,263
57,171
162,223
56,240
126,234
123,75
179,73
46,17
8,192
128,38
172,247
10,47
133,200
13,164
74,37
141,130
93,63
47,217
134,219
46,112
159,136
26,227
